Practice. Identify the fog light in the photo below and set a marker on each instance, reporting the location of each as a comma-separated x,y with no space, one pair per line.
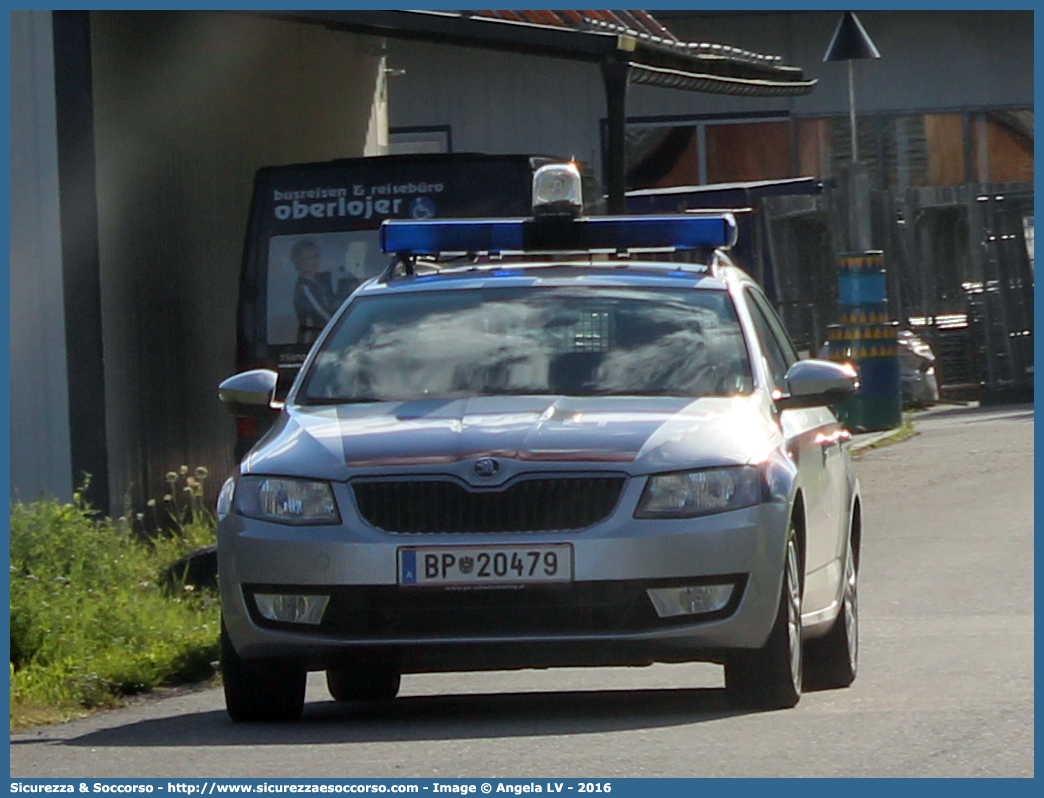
291,609
689,600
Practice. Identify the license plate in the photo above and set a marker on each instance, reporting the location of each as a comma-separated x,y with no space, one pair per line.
478,565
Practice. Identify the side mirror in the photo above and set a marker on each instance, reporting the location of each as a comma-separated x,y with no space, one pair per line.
813,383
250,393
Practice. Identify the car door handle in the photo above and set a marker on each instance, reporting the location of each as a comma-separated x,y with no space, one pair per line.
826,441
839,436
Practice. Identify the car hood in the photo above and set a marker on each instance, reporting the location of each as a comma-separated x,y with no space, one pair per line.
633,434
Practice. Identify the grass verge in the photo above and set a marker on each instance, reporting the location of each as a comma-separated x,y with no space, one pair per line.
901,433
91,619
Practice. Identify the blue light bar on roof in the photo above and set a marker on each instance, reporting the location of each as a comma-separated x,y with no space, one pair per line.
432,236
654,232
606,233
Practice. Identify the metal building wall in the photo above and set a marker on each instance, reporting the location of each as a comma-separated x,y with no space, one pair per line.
496,101
40,453
501,102
187,106
930,60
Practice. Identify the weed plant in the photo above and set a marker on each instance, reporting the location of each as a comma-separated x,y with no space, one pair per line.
91,618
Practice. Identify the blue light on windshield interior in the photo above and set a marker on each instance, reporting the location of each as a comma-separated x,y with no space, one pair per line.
620,233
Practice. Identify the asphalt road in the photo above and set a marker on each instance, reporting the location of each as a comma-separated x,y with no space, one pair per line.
945,685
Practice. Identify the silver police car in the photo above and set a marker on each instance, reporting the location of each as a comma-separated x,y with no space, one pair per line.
542,442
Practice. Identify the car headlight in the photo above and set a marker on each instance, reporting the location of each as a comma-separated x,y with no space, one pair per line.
286,501
691,493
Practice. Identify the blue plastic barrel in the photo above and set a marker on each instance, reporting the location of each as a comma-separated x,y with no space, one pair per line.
867,338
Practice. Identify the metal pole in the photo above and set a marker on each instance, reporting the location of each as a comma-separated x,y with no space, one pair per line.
851,109
614,75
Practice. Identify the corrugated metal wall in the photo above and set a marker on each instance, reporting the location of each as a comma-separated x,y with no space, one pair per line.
498,102
187,106
40,455
929,59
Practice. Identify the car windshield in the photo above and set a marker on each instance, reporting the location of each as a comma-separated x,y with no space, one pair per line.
575,341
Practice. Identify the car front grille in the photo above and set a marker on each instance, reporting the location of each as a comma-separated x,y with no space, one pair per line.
527,505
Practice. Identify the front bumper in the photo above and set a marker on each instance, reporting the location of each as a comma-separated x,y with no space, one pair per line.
603,617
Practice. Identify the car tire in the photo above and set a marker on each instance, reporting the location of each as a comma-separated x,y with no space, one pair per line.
832,660
363,682
771,677
269,690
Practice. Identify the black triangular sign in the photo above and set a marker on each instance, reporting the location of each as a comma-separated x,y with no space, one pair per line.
851,42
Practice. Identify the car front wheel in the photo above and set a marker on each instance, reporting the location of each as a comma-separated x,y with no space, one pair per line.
268,690
832,660
771,677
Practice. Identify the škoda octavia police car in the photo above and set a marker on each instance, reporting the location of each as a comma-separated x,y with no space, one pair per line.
542,442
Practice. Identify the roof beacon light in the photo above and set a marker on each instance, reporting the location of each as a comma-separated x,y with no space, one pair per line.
557,190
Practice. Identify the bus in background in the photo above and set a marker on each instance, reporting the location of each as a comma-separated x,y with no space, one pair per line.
312,238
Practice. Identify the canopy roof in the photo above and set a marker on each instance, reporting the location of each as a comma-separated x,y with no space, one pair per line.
653,55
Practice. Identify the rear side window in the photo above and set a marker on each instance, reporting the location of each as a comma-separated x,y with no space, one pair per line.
775,343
